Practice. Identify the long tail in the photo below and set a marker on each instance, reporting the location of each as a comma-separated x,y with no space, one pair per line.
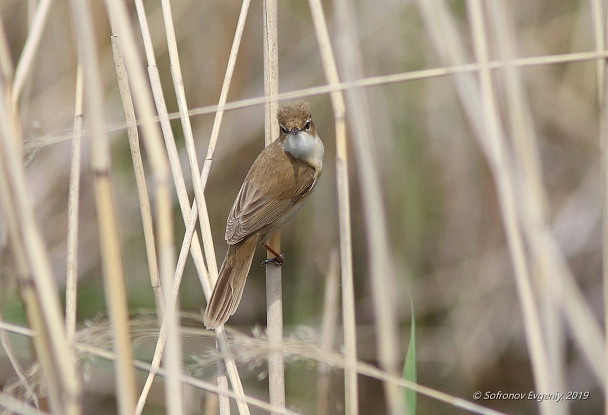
230,282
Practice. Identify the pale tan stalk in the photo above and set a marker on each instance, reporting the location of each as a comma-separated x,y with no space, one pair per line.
160,344
182,196
29,49
498,156
189,380
6,62
115,288
140,177
271,70
71,273
197,184
239,393
489,135
229,366
274,288
6,82
10,353
381,275
222,400
189,215
114,284
31,11
599,33
15,329
161,108
219,112
599,26
18,407
604,164
178,83
342,184
535,221
148,229
527,154
331,359
160,167
329,326
32,264
194,167
58,137
367,369
577,312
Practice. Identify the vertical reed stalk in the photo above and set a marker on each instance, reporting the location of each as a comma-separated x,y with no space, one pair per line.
274,289
342,184
503,173
219,113
526,151
180,186
30,48
198,188
114,284
164,223
6,62
176,170
577,313
178,83
377,235
32,261
329,327
604,152
189,214
225,366
599,26
140,178
71,277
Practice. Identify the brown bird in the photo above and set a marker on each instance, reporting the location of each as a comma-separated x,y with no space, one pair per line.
277,185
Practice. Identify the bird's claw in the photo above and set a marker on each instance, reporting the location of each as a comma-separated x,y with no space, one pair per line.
277,260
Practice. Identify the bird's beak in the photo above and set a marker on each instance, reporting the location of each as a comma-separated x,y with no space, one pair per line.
295,131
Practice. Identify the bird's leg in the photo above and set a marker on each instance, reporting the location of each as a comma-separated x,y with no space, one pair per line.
278,258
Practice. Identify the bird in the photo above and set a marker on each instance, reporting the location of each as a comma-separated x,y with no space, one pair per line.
278,183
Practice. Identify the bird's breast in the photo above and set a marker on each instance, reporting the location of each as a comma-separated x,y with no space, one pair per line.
305,147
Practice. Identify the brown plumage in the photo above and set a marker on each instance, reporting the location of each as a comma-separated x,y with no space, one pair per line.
278,183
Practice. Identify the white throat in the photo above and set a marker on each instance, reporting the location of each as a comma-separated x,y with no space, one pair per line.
305,147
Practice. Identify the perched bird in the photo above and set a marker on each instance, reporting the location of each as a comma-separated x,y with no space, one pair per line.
277,185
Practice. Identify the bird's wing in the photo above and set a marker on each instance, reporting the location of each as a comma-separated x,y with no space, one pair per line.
281,181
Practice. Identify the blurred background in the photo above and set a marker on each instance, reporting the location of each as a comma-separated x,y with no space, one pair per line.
448,244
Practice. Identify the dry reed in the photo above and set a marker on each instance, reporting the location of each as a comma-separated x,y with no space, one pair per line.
525,238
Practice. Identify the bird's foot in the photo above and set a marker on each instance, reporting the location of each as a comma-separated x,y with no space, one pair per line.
278,259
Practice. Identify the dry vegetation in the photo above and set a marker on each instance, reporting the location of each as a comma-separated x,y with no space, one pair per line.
473,134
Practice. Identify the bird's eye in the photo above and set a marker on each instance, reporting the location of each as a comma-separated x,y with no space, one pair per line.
284,129
307,125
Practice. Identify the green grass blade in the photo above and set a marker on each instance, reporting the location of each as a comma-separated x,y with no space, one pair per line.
409,367
407,403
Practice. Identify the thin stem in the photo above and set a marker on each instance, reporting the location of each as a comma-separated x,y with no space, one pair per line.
328,330
274,289
33,267
342,184
31,46
140,178
189,214
376,228
449,70
159,165
71,279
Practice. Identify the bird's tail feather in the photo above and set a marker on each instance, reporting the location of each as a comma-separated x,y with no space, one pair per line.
230,282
